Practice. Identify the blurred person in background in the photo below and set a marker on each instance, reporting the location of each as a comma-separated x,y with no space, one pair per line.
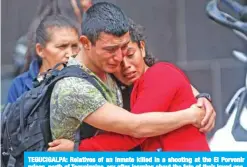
26,47
81,6
57,38
72,9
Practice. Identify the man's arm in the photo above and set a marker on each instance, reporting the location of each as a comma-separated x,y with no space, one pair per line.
85,103
209,120
139,125
102,142
120,142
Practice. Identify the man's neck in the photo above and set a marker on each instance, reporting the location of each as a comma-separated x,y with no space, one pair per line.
99,73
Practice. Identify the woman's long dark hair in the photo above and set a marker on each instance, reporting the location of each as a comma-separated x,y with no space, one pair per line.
137,35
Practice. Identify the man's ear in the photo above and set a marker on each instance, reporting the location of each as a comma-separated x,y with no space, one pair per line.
143,48
86,44
39,50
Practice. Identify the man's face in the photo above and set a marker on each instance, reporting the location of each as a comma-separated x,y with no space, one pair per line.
108,51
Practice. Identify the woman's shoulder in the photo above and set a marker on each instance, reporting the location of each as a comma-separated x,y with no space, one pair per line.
164,70
164,64
18,87
164,67
21,77
21,81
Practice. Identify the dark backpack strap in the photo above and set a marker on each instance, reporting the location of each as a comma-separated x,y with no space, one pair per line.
91,79
49,74
74,71
77,139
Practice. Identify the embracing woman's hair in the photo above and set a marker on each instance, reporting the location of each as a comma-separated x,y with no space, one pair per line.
137,35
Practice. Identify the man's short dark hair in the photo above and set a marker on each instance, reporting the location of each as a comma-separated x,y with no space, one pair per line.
104,17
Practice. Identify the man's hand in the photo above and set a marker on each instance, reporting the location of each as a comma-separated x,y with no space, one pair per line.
196,115
61,145
208,121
